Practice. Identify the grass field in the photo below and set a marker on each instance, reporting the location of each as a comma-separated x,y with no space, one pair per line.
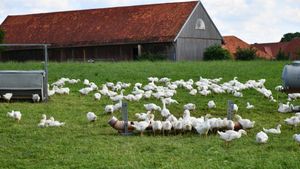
82,145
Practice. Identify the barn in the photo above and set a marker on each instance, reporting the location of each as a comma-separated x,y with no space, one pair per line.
174,31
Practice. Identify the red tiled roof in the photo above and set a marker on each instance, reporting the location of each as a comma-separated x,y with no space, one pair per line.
271,48
293,49
134,24
231,43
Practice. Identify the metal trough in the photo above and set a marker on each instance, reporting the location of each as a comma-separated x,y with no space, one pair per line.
23,84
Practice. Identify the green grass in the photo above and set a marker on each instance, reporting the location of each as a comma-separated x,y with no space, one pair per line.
82,145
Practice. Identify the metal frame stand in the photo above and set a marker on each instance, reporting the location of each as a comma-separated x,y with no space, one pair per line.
230,110
45,47
125,119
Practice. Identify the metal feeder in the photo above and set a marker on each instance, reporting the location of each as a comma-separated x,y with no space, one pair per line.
23,84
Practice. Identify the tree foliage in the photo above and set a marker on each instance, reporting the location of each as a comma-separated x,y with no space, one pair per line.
289,36
216,52
245,53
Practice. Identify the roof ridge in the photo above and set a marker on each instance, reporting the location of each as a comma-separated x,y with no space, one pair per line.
105,8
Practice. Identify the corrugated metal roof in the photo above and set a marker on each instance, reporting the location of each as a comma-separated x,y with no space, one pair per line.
133,24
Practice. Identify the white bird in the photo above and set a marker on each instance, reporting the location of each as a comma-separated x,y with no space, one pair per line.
237,94
211,104
284,108
141,126
36,98
55,123
152,107
235,108
230,135
205,92
203,128
297,138
166,127
273,130
7,96
43,123
245,123
261,137
15,115
156,126
91,116
97,96
193,92
169,101
142,116
109,108
189,106
165,112
249,106
86,82
86,90
294,121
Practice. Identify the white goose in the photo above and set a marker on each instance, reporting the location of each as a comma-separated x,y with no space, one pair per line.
36,98
142,116
297,138
97,96
249,106
15,115
230,135
109,108
55,123
273,130
189,106
7,96
141,126
156,126
165,112
211,104
152,107
91,116
245,123
166,127
43,123
203,128
261,137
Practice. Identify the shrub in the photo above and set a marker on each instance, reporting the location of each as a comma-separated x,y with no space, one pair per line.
245,53
281,56
216,52
151,56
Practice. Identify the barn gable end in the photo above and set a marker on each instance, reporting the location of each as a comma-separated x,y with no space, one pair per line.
198,33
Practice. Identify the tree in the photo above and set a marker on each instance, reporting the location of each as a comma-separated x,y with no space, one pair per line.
281,56
245,53
216,52
289,36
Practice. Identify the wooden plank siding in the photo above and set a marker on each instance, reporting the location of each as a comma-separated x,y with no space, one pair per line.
190,42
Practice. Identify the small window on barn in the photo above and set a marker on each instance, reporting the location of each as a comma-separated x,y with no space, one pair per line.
200,24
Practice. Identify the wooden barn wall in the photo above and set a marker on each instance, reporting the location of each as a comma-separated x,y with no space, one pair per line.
193,49
192,42
101,53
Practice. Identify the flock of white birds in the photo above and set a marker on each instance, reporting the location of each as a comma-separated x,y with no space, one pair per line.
164,89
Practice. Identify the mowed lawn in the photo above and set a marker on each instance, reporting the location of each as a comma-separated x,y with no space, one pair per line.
80,144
